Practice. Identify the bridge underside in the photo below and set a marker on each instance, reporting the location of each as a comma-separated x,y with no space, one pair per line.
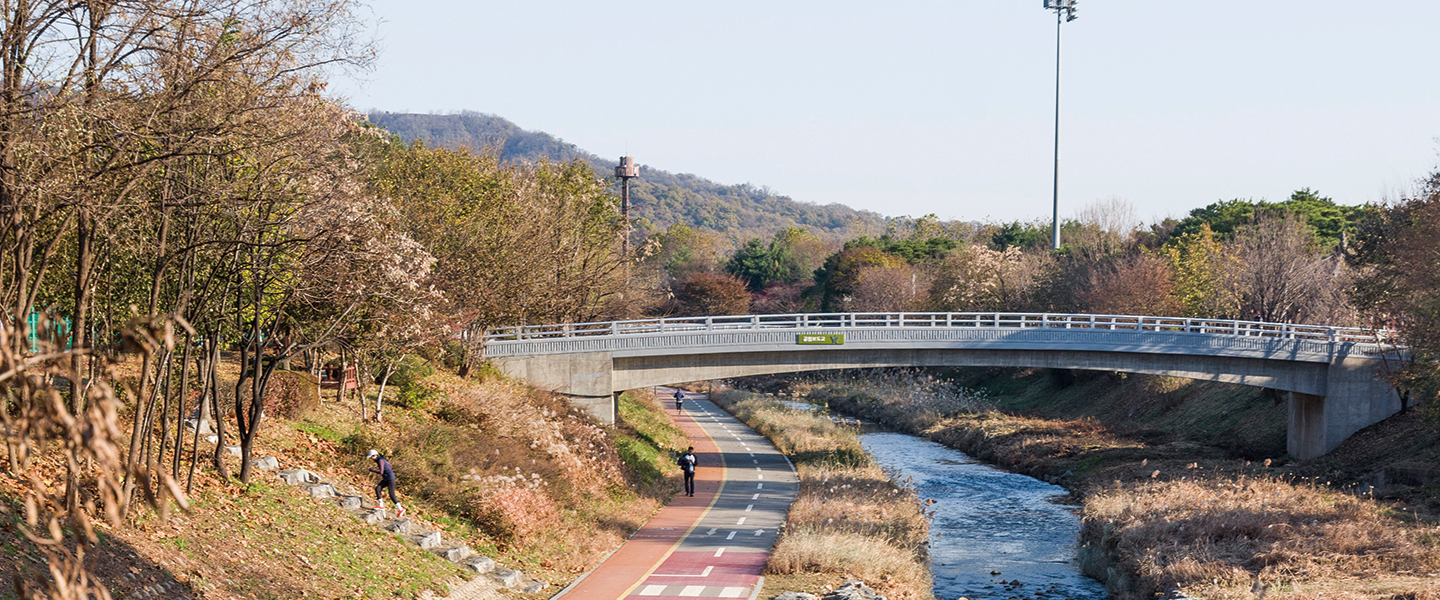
646,371
1329,401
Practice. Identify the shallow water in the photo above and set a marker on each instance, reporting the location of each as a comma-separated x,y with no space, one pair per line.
988,520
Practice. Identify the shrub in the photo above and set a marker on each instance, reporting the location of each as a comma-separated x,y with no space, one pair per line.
291,394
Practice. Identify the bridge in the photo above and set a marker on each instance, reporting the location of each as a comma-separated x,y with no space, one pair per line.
1334,375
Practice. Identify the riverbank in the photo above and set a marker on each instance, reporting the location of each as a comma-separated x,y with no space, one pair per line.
1165,514
849,519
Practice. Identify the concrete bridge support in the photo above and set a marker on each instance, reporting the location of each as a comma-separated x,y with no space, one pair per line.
1355,397
587,379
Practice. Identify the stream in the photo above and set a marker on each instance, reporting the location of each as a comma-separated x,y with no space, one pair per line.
988,520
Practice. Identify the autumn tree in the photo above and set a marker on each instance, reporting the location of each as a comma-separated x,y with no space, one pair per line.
978,278
1201,267
704,293
1397,253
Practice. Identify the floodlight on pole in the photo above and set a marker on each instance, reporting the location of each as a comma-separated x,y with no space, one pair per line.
626,170
1064,13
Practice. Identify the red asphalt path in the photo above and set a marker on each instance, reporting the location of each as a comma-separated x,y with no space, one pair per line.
701,546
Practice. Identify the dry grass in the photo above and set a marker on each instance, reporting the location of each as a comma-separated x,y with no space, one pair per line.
848,520
1181,515
1216,535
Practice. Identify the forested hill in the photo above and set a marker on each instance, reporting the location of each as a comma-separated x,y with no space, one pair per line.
659,198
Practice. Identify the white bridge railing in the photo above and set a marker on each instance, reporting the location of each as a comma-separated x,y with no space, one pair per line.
992,320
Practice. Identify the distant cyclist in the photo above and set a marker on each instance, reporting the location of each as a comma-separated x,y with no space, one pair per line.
679,399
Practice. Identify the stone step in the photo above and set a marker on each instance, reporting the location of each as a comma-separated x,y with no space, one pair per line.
232,450
429,540
349,502
507,577
454,554
298,476
400,526
534,587
480,564
269,463
320,490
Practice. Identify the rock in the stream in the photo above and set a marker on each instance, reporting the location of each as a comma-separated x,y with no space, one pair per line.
854,590
797,596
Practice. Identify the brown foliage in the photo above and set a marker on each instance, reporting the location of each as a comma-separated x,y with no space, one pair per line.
889,288
704,293
1139,284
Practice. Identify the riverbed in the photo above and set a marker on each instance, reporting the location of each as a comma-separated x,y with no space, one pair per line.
994,535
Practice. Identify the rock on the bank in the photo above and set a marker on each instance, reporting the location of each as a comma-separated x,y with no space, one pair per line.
854,590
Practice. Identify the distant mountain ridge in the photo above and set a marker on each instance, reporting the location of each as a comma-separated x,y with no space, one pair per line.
659,198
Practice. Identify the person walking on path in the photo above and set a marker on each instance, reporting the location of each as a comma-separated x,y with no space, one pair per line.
679,399
387,480
687,464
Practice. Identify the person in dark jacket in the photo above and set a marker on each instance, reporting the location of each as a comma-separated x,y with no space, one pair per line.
687,464
679,399
387,480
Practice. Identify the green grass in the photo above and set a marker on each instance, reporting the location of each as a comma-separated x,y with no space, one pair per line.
319,431
648,439
291,541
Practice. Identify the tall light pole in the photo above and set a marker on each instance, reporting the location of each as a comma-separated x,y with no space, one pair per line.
1064,13
626,170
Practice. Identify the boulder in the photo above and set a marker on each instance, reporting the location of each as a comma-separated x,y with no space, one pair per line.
298,476
480,564
400,526
430,540
455,555
507,577
321,490
854,590
349,502
268,463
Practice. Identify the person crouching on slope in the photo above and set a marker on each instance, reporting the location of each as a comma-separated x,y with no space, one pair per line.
387,480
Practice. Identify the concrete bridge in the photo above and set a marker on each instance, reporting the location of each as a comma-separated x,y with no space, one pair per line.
1334,374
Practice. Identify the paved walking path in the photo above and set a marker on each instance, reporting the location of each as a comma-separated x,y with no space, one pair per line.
712,545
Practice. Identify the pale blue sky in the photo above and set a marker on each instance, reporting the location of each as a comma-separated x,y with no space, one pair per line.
908,108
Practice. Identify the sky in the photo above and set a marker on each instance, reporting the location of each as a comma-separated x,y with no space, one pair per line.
921,107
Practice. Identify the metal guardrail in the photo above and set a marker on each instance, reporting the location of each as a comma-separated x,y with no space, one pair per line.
992,320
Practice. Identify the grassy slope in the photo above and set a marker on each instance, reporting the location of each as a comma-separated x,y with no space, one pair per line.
270,541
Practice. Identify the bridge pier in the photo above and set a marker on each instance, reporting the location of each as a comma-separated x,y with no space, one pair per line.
1355,398
586,379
